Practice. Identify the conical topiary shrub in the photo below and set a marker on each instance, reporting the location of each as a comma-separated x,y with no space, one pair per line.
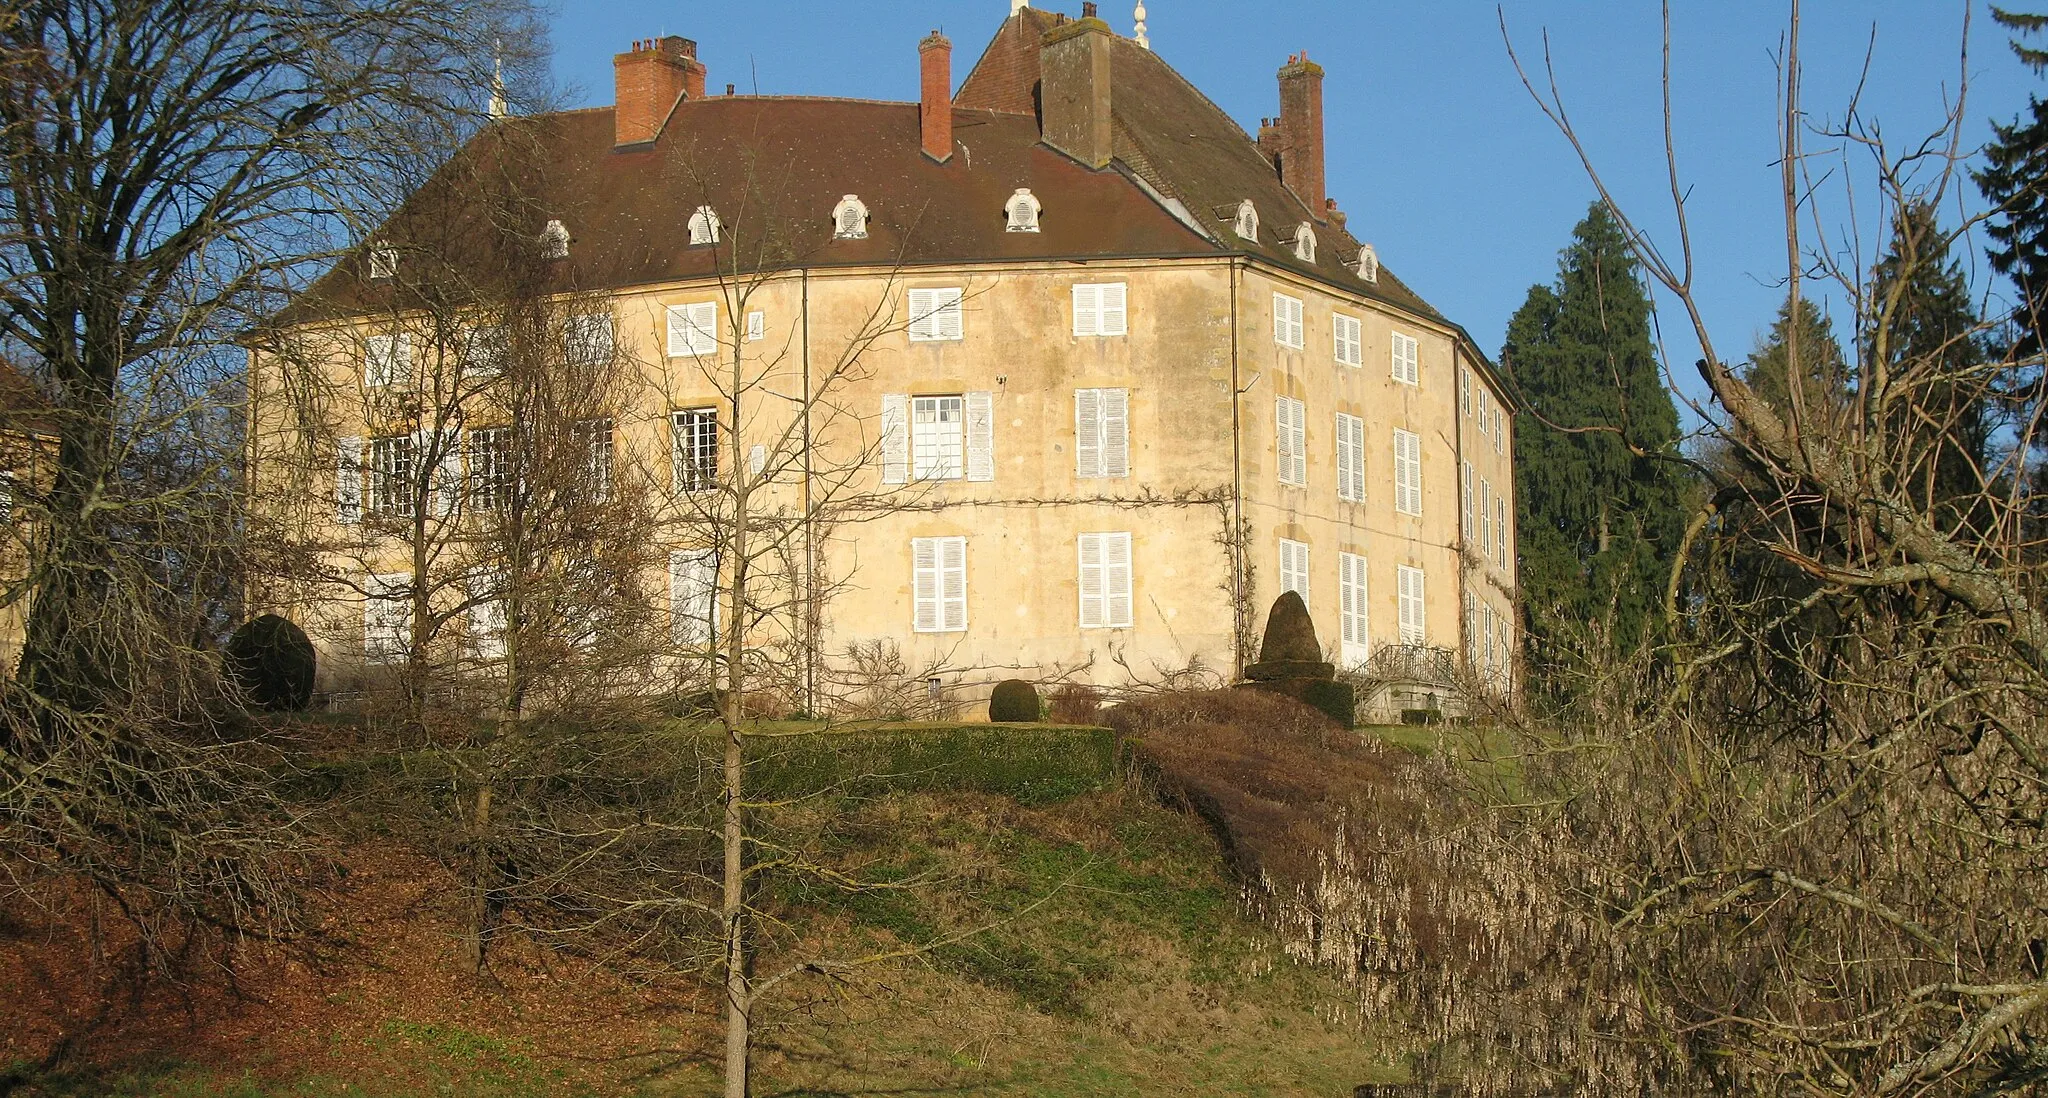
272,662
1290,650
1014,702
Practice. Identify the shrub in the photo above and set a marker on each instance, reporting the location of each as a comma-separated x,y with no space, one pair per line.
272,662
1014,702
1076,703
1335,699
1289,649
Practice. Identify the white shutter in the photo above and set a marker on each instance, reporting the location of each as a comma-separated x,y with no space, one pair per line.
486,634
934,315
1116,580
692,596
348,480
1116,433
948,323
1114,316
1352,608
1485,517
387,616
940,584
981,436
1413,617
921,320
1290,440
1500,531
1407,472
1465,391
757,326
1087,309
924,584
1091,580
895,438
1294,568
447,479
1465,491
1087,433
757,460
1350,458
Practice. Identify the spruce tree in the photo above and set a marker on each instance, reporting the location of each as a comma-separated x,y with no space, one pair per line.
1925,331
2015,181
1822,372
1601,512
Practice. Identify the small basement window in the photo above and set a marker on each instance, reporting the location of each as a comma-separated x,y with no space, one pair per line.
1248,221
554,240
383,261
1369,264
704,226
850,219
1022,209
1305,243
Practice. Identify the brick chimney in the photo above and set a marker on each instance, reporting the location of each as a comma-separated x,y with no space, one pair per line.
1301,131
651,79
935,95
1073,66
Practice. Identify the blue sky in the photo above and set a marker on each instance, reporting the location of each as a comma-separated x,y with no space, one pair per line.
1435,151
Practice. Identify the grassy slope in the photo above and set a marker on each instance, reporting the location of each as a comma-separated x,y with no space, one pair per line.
1136,974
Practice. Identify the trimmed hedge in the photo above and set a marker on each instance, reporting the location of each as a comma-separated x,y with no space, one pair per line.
272,661
1013,702
1041,764
1335,699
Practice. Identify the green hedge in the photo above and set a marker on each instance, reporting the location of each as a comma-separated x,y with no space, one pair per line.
1034,764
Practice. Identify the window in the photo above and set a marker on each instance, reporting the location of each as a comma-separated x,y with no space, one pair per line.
934,315
693,433
1465,391
1500,531
1099,309
1350,348
1407,472
693,329
387,616
595,438
1305,243
1102,443
491,464
1500,430
704,226
1406,365
587,339
1290,440
392,476
486,632
1369,264
348,481
1351,608
1247,226
1021,211
1287,321
939,584
1485,413
938,437
1465,491
850,219
1350,458
757,326
387,360
554,240
383,261
1105,581
1414,620
1294,568
484,350
692,596
1485,517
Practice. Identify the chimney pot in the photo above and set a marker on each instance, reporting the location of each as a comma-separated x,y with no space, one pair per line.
651,78
1300,140
1087,9
1073,65
935,95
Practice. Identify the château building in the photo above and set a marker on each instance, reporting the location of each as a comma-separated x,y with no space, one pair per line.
1128,369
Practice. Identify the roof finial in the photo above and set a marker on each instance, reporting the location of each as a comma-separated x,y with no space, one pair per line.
1138,32
1017,6
497,79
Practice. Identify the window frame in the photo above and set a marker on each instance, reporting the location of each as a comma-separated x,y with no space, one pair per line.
693,449
1288,332
1294,562
943,604
393,591
693,597
923,437
1099,310
704,227
393,484
1111,430
1354,609
1407,473
928,325
1290,441
1417,600
698,338
598,436
1398,344
1355,342
1350,458
491,476
387,360
1114,607
580,343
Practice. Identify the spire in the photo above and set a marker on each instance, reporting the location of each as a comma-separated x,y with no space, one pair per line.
1138,32
497,81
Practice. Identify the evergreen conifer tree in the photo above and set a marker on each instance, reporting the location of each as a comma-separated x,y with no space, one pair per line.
1601,512
2015,181
1925,331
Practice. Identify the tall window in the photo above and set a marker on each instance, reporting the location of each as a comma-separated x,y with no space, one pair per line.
1407,472
1485,413
387,616
491,475
935,315
692,596
1350,343
692,329
1414,606
1500,431
387,360
587,339
939,584
1465,391
1102,444
348,480
486,633
1500,531
1351,608
938,433
484,350
393,475
1099,309
1350,458
1287,321
1485,517
1294,568
1106,581
594,439
1291,440
694,451
1407,360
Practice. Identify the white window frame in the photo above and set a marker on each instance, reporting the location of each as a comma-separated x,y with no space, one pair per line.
1369,263
757,326
599,455
1247,221
938,445
1290,441
1406,353
1500,430
693,449
1305,242
704,226
387,360
1294,573
387,616
1347,338
1020,213
1465,391
485,632
1102,434
383,261
692,329
1353,609
1407,472
938,584
935,315
554,240
693,597
348,480
1500,531
1465,514
1105,580
1350,458
1099,309
589,339
492,478
1413,593
1485,517
484,348
394,474
1287,325
850,219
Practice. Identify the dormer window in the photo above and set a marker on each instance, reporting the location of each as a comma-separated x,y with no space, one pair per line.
1248,221
554,241
383,261
850,219
1369,264
1305,243
704,226
1022,209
